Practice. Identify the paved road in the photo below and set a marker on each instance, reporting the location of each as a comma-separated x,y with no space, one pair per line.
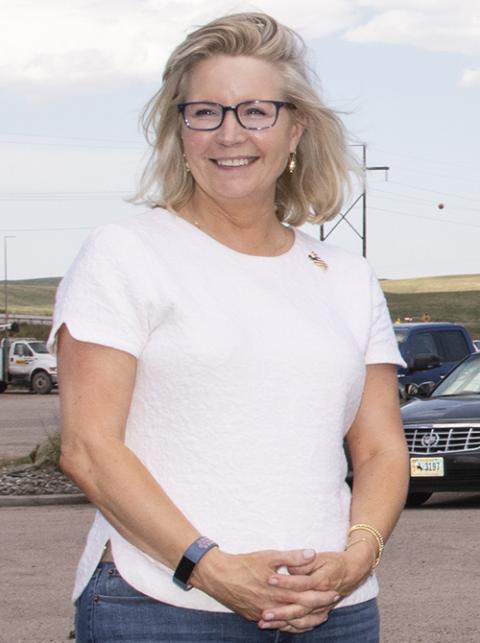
430,574
25,420
39,548
429,577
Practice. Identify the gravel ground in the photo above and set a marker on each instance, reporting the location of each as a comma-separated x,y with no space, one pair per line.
27,421
22,481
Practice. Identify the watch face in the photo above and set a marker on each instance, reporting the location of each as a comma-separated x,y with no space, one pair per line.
191,556
183,572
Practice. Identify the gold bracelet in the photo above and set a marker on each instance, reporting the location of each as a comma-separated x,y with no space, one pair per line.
378,537
363,540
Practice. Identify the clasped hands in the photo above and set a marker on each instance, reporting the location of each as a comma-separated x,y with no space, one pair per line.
250,584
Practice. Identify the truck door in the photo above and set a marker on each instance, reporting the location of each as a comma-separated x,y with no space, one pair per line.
20,360
453,348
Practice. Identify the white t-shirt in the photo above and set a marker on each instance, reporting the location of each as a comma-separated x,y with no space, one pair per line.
250,372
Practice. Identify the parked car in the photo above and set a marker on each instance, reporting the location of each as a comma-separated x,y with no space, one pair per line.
442,427
431,350
476,343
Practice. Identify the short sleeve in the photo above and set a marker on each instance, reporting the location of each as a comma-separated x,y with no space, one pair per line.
382,346
106,296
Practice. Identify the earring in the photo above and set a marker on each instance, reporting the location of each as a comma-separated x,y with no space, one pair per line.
292,163
187,166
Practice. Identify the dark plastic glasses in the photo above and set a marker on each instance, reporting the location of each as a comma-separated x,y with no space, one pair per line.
251,114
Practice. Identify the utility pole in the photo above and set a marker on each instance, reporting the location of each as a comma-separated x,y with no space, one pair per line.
5,286
361,197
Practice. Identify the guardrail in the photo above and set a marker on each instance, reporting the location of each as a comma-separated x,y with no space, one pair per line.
42,320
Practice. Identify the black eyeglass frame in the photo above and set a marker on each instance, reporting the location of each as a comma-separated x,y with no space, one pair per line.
233,108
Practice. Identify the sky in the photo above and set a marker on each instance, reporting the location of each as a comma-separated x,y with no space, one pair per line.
403,74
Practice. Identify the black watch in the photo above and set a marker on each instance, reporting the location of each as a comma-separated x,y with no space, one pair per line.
190,558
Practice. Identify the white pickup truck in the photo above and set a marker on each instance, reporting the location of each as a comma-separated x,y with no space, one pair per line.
25,361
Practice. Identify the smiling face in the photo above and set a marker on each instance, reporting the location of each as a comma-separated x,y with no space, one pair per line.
232,164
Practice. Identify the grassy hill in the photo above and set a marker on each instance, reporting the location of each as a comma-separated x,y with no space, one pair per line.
454,298
452,284
31,296
449,298
463,307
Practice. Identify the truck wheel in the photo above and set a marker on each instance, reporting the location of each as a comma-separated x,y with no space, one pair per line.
3,387
417,499
41,383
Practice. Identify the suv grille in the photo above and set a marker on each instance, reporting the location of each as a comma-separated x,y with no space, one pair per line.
444,438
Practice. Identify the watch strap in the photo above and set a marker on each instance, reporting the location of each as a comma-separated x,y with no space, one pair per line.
189,559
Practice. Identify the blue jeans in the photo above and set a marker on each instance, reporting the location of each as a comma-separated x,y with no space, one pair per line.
111,611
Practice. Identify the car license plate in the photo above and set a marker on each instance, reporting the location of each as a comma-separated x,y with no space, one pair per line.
432,467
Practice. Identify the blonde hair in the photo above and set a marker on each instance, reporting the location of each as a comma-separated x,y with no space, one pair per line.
316,191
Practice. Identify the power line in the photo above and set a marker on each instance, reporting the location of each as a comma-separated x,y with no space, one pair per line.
441,176
75,145
421,216
115,143
416,187
62,192
63,196
53,199
70,138
44,229
389,211
419,158
396,196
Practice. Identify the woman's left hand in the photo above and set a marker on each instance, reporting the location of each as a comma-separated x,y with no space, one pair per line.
330,571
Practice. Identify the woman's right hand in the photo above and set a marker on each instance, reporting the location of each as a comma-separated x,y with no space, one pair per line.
240,581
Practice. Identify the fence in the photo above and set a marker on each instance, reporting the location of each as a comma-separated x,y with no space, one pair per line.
42,320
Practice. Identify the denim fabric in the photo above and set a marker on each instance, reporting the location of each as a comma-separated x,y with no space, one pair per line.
111,611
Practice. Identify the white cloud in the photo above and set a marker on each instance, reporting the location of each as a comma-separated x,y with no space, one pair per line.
470,78
311,18
419,5
436,25
91,41
68,42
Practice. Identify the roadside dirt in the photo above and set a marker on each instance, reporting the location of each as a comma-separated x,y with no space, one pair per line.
25,421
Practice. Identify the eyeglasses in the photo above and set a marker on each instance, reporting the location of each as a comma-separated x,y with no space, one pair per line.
251,114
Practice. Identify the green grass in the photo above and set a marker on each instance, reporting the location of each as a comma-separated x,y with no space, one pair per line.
462,307
39,331
448,284
449,298
8,462
31,296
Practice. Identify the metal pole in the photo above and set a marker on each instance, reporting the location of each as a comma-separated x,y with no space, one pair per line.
5,287
364,200
361,197
5,302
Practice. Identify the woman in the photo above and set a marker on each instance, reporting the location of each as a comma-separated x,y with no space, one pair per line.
213,358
